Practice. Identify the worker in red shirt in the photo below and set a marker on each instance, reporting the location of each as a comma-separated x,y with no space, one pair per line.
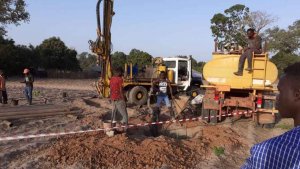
117,97
3,93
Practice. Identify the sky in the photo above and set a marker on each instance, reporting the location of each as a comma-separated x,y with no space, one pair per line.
160,27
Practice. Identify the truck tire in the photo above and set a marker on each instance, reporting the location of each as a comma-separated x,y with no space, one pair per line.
195,91
138,95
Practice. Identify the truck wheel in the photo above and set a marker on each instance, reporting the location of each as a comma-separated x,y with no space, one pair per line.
138,95
195,91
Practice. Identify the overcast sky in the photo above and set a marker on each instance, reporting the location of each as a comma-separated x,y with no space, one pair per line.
159,27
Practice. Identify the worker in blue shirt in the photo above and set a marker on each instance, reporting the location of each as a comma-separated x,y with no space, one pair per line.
282,152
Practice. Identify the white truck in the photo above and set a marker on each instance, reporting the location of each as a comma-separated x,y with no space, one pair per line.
180,73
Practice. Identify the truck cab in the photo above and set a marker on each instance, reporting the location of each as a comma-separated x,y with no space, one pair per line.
182,68
180,73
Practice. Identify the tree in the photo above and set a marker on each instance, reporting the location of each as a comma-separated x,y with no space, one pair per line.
119,59
12,12
13,59
139,57
54,54
87,60
198,66
287,41
283,60
259,20
231,26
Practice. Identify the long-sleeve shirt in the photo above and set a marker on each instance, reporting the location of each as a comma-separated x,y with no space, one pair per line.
255,43
277,153
2,83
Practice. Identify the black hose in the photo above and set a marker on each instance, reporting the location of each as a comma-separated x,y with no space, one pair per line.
98,16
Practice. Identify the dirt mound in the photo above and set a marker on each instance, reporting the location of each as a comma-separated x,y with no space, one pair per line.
98,151
123,152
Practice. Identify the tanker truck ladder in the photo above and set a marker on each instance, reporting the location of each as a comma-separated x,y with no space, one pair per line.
259,65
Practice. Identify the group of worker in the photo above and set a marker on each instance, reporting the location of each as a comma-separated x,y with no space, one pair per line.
28,81
161,86
279,152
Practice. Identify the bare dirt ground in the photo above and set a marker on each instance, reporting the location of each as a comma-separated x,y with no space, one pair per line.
180,145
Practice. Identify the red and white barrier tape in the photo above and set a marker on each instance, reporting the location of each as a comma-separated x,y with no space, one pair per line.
102,129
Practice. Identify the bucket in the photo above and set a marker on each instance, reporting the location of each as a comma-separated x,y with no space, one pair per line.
107,125
15,102
64,94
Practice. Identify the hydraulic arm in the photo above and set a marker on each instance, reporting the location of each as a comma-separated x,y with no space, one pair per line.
102,46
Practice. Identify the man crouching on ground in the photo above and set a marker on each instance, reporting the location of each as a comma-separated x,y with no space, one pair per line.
282,151
117,96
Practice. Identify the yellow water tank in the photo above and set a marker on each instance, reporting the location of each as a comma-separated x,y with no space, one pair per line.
171,76
161,68
219,71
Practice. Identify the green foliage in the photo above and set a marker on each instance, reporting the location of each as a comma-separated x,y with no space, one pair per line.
139,57
14,58
230,26
119,59
198,66
218,151
285,126
51,54
54,54
87,60
36,93
283,60
12,12
287,41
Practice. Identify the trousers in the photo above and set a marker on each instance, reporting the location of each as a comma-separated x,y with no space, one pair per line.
3,96
119,106
28,94
161,98
247,55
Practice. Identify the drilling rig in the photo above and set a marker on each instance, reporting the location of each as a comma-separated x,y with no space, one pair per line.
179,69
102,46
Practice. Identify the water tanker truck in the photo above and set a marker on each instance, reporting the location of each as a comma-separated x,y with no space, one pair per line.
253,94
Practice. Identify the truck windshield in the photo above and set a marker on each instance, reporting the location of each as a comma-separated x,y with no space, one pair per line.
170,64
182,68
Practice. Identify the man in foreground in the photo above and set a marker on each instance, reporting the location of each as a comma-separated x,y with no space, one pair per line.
254,45
283,151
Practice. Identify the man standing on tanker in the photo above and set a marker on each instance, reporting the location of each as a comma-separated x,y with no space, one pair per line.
254,46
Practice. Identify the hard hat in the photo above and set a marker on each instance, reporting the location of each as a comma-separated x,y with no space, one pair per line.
26,71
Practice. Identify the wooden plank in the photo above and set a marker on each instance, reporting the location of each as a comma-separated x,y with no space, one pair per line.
37,115
180,103
35,111
29,108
